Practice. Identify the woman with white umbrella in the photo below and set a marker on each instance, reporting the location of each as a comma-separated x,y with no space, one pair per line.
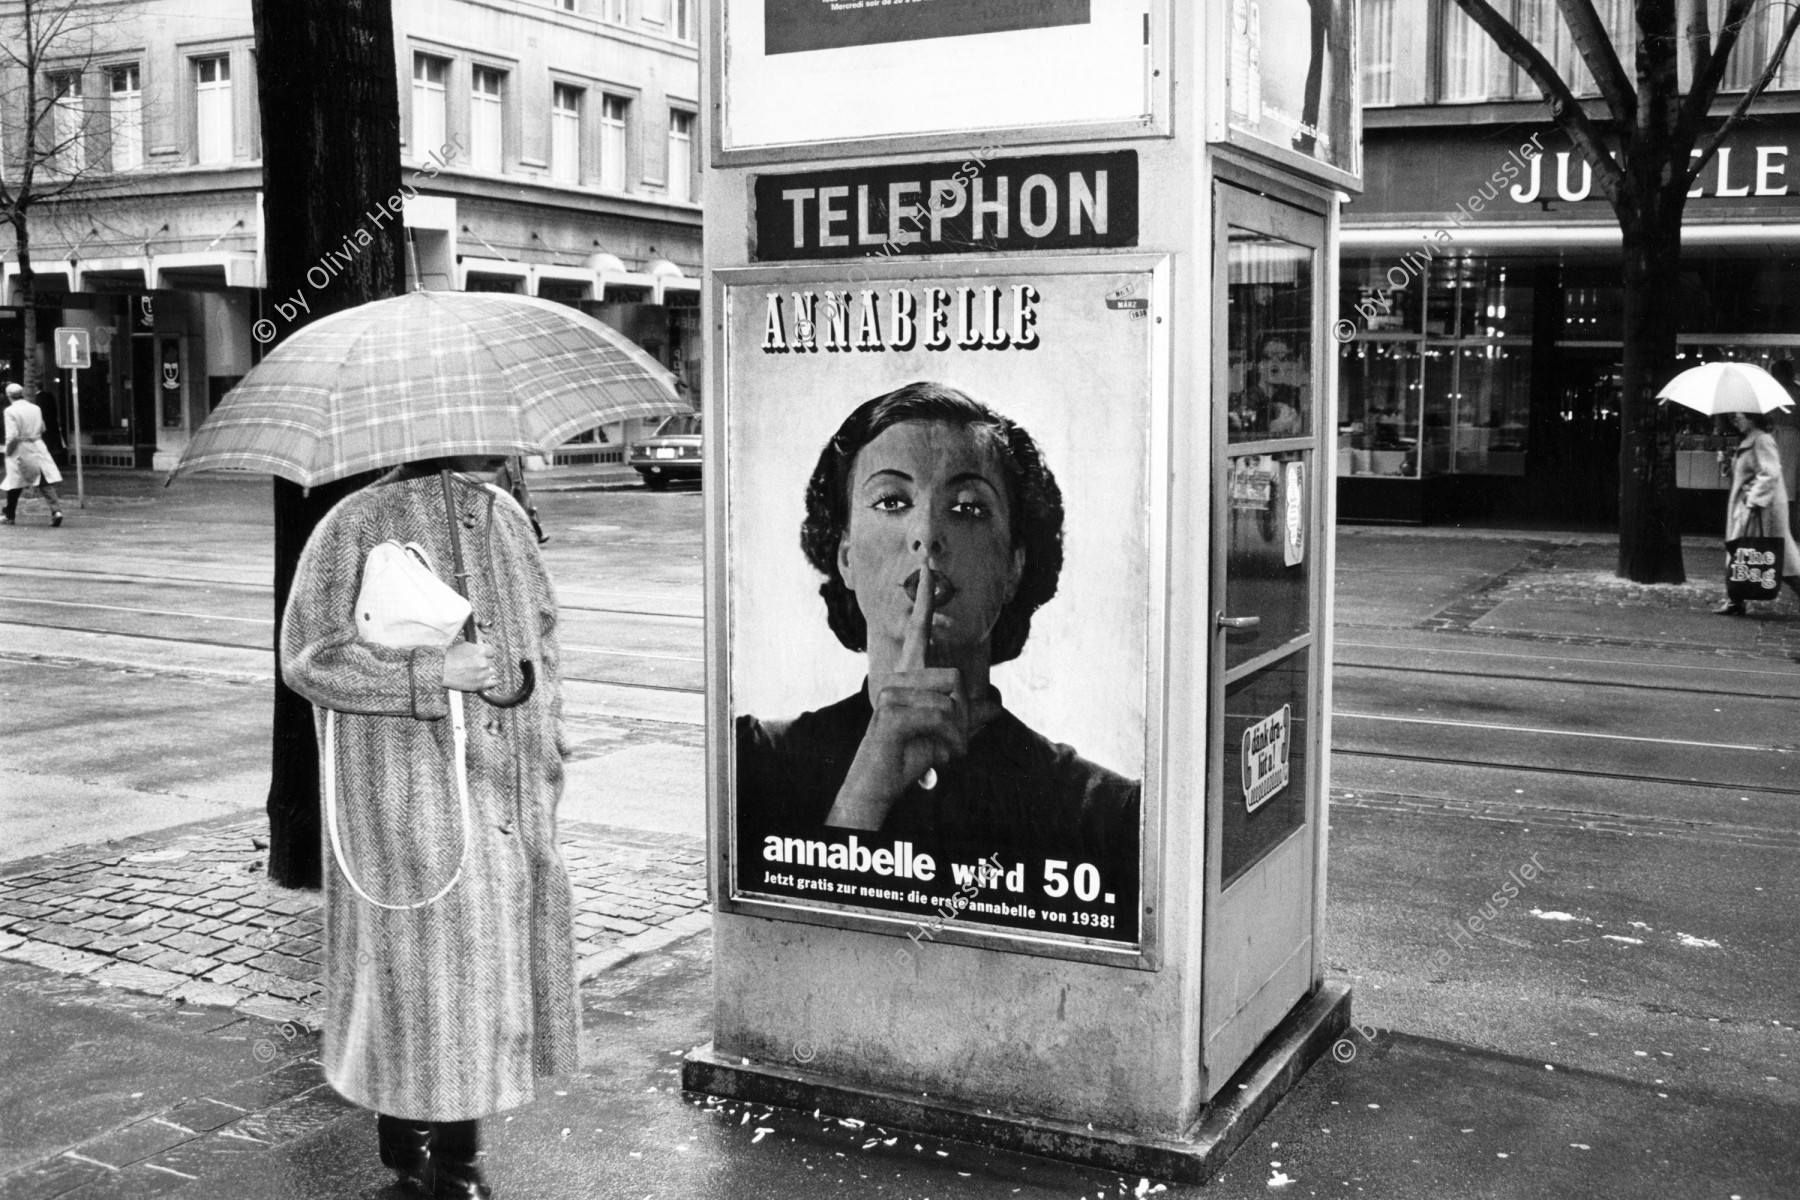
1746,394
1758,490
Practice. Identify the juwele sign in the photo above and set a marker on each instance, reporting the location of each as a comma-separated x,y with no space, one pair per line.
1526,174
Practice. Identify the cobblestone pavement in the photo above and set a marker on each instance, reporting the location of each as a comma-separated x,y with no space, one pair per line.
192,916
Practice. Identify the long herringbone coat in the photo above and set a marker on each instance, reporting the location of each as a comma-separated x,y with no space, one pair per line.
450,1011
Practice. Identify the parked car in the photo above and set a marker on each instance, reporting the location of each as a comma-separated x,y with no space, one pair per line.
672,452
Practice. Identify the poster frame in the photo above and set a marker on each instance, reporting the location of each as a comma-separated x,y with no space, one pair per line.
1158,123
1220,130
721,709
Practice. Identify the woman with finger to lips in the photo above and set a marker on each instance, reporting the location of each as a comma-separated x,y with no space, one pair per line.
937,526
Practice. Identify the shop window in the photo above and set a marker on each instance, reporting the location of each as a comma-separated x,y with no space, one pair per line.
429,127
613,111
486,119
125,117
1376,37
212,110
1379,408
565,133
681,155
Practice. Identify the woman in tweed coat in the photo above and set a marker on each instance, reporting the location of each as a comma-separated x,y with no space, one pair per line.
438,1015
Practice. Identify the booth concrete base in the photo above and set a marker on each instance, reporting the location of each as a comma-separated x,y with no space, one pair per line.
1306,1033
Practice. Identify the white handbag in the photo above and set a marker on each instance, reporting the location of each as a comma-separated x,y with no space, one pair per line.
403,604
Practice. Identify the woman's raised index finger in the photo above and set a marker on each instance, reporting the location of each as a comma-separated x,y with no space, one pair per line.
918,625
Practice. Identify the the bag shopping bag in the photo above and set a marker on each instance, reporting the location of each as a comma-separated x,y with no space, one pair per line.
1753,563
403,604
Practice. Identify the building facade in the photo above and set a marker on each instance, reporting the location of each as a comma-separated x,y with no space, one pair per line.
553,144
1480,362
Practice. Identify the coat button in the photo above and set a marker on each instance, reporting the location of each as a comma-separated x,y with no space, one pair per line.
468,521
484,624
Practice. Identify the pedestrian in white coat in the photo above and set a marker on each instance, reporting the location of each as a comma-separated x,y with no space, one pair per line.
28,461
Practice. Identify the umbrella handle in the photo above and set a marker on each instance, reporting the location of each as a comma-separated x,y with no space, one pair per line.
527,685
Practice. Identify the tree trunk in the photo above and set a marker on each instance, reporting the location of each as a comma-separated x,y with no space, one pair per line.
1649,505
329,99
33,373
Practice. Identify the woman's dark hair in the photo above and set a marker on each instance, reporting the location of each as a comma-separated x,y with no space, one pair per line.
1761,420
1032,499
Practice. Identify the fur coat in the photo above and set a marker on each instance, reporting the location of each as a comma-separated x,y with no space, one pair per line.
447,1012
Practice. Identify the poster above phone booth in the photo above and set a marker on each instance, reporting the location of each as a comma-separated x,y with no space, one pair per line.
1290,82
942,588
846,76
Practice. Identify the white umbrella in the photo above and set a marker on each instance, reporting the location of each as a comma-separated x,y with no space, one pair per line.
1727,387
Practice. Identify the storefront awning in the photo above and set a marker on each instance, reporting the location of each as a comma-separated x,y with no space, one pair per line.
1521,238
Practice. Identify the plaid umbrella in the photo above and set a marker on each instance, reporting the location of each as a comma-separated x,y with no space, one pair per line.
428,375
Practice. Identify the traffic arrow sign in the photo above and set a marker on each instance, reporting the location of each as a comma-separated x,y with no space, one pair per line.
72,347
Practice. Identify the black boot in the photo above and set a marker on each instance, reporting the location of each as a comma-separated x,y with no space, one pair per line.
1792,581
455,1173
406,1147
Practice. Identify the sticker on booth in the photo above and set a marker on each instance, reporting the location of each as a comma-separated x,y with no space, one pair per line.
1264,761
938,573
1293,541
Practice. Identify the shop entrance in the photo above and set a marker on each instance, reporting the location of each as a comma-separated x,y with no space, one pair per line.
1262,860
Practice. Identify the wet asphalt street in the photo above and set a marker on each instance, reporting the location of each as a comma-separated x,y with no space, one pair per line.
1624,1025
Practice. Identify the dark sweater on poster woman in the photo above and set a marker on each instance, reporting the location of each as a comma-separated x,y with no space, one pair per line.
1015,793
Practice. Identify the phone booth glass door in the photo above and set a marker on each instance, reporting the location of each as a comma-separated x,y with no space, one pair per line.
1261,861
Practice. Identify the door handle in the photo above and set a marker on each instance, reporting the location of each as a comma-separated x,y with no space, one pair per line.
1226,622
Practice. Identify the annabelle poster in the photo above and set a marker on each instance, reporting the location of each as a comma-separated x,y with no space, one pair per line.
939,580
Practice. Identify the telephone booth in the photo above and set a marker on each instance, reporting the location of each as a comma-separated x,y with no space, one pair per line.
1021,322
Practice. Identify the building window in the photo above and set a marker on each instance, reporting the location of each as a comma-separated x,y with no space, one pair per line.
1758,39
429,128
1543,26
1377,37
212,109
1472,66
125,117
681,155
681,20
565,133
613,10
485,123
612,143
67,148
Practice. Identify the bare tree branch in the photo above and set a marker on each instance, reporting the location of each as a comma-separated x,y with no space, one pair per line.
1710,72
1602,57
1564,107
1711,142
1699,34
